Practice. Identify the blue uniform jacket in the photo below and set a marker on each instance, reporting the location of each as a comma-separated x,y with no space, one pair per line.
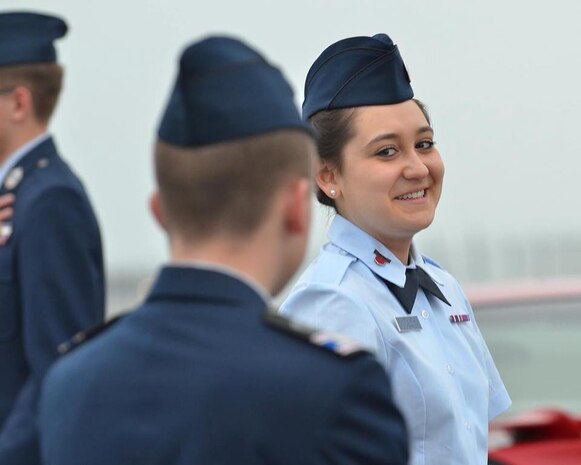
51,286
196,375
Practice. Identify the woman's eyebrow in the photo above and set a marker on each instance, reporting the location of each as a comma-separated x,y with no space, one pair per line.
392,135
381,137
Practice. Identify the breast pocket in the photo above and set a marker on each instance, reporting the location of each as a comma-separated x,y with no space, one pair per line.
8,295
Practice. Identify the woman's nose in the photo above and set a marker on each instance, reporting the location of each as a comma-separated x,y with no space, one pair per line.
415,167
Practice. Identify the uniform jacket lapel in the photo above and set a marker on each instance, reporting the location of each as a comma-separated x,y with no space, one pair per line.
30,162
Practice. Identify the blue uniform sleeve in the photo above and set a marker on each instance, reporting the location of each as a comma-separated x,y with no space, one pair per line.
366,427
328,308
19,443
60,274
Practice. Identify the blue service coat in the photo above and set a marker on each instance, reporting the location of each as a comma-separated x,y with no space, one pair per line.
51,286
196,375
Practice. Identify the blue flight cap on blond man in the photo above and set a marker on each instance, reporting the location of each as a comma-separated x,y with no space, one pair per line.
356,72
27,37
224,91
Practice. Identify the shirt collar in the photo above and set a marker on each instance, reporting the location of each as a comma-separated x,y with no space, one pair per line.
15,157
227,270
363,246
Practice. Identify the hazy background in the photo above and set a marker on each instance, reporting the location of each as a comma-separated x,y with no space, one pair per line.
502,80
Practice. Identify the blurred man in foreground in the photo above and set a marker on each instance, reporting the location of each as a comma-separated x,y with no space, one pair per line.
203,372
51,267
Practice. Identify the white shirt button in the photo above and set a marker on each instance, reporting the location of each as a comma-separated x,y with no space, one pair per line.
468,426
425,314
450,369
342,252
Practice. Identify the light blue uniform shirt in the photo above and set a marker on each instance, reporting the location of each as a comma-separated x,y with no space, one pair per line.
443,377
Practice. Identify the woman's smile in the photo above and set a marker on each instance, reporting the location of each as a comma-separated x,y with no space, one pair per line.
414,195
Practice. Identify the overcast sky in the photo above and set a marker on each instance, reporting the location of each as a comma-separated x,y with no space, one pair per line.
502,80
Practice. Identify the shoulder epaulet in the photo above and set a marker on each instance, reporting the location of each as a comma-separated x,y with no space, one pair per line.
433,262
336,265
83,336
339,344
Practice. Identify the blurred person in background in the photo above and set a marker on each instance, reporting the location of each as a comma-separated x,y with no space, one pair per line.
381,172
202,372
51,266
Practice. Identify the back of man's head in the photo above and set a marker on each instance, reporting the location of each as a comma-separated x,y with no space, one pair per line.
28,59
230,137
228,187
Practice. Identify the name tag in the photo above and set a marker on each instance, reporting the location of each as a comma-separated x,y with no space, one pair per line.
405,324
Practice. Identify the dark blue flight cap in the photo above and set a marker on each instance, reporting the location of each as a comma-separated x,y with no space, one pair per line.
356,72
28,38
224,91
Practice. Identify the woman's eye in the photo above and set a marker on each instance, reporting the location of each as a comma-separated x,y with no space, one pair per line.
425,144
387,152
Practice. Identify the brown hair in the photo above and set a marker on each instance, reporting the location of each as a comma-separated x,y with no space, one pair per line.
334,129
228,186
43,80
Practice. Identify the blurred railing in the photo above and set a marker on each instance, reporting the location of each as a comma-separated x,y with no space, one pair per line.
471,258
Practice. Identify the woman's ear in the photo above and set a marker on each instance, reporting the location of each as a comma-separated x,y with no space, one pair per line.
327,179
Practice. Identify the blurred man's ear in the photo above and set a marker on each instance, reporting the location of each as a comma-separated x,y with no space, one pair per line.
156,210
298,207
22,104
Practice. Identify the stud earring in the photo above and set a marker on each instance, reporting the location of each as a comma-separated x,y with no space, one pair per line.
333,193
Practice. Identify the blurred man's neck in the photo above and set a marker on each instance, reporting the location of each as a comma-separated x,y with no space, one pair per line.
19,137
245,256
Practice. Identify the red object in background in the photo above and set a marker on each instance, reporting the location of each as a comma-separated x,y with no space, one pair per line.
541,437
554,452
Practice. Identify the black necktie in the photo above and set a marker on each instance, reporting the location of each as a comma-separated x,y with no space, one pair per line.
414,278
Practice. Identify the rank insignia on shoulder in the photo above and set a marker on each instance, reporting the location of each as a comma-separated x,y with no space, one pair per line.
336,342
463,318
340,344
83,336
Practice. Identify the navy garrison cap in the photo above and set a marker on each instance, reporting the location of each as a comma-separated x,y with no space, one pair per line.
356,72
225,90
28,38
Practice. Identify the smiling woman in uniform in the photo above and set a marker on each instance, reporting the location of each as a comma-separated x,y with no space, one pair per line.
380,170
